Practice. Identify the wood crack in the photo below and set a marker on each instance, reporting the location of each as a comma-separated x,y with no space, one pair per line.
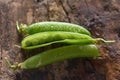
48,11
87,5
66,12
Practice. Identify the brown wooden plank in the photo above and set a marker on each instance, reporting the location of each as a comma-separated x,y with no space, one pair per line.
100,17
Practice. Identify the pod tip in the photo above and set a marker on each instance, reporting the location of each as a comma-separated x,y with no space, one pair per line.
21,27
10,65
101,40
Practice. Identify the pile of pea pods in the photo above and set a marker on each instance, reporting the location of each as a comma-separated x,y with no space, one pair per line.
78,40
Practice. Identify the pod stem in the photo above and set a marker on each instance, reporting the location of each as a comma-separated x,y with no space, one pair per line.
101,40
10,65
21,28
17,25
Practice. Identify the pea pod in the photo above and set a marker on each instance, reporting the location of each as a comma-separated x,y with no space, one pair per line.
58,54
51,26
46,38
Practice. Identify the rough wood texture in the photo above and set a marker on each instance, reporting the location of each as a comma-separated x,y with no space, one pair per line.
100,17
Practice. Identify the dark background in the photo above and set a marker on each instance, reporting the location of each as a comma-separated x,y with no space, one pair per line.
100,17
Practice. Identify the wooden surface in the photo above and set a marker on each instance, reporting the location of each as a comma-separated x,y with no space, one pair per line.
100,17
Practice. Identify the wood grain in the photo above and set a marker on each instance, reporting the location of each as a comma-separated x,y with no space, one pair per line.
100,17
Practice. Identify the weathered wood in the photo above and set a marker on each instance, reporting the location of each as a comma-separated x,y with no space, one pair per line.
100,17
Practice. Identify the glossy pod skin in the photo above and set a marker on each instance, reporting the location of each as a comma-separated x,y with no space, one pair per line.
46,38
52,26
59,54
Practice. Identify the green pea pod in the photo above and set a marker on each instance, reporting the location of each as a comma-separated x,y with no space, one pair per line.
58,54
66,41
51,26
46,38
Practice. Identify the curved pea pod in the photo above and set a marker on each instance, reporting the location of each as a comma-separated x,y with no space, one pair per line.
47,38
51,26
58,54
